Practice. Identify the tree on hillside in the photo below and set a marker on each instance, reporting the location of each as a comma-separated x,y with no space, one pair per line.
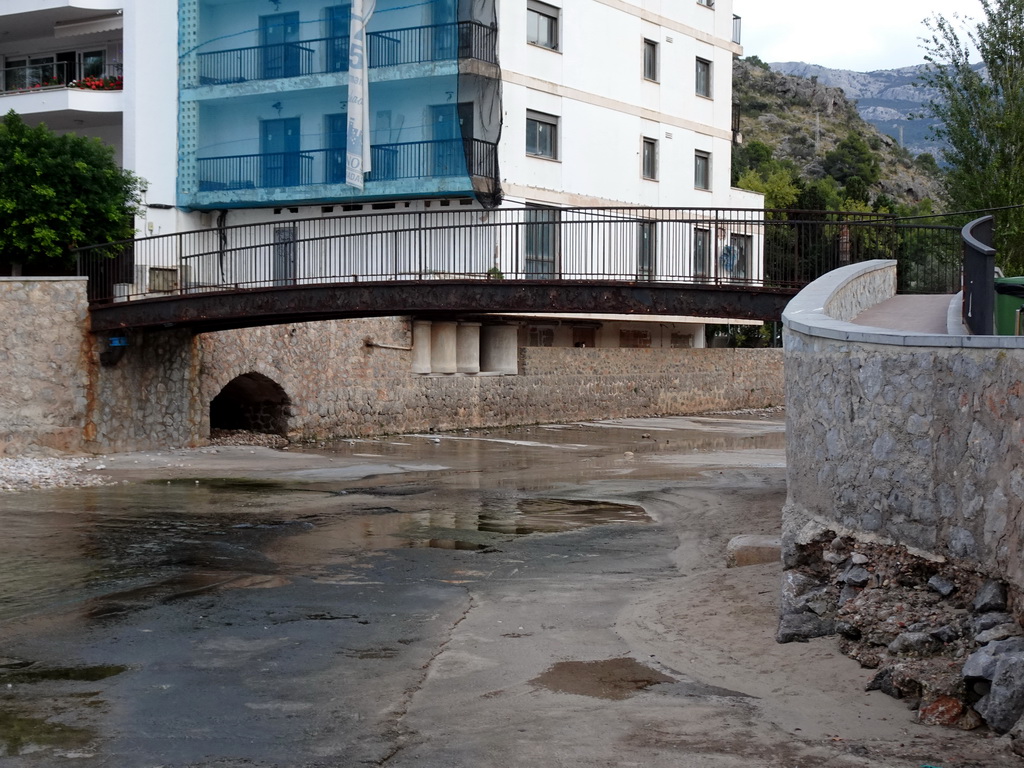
981,117
852,158
59,192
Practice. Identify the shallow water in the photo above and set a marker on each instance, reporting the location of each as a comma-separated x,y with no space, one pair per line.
160,539
191,620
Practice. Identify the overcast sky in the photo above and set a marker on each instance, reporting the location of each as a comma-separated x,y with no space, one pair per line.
862,35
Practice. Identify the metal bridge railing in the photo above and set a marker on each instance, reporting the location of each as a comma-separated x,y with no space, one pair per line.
740,248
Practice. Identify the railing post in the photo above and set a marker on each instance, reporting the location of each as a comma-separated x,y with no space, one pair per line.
979,275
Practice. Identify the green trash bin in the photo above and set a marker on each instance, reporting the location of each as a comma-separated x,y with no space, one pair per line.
1009,306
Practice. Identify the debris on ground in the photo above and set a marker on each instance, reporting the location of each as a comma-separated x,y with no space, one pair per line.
246,437
943,638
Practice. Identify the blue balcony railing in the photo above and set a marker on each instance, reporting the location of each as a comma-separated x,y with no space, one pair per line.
390,162
439,42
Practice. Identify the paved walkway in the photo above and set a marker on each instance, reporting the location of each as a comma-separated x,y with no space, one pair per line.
913,313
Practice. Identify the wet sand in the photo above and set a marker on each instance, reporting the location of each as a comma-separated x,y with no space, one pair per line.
555,596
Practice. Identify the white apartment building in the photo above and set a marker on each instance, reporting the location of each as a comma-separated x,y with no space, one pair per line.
250,111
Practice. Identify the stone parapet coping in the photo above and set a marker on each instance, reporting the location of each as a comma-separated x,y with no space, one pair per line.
806,314
31,279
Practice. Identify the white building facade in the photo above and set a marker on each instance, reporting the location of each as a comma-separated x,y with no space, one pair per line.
250,112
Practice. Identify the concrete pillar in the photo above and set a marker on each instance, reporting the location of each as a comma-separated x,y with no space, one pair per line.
467,352
421,346
443,345
499,349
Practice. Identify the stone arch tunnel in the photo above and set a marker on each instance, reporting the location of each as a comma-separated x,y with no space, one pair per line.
252,402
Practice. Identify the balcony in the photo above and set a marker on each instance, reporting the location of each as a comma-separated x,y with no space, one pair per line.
60,74
413,45
390,162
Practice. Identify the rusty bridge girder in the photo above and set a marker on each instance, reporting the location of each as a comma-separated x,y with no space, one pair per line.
203,312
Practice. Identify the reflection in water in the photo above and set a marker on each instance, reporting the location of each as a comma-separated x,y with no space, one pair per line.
125,547
119,548
20,732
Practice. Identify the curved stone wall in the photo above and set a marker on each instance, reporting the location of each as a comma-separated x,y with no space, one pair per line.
909,439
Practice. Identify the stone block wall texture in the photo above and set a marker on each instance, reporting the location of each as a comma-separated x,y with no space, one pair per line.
44,365
867,289
339,386
917,445
150,399
54,394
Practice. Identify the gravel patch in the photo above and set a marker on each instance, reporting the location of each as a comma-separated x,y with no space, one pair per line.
30,474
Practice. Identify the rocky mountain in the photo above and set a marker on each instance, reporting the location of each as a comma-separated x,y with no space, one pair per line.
802,119
886,98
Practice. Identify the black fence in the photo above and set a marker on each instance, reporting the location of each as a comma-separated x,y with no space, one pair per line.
389,162
412,45
745,249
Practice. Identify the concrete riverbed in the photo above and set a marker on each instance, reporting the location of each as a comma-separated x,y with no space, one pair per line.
544,596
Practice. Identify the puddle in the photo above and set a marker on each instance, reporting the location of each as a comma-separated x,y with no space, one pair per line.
21,733
613,679
558,515
118,549
499,520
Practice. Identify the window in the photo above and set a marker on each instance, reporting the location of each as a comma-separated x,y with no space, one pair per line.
539,336
650,159
540,242
541,135
647,246
741,246
584,336
279,52
702,252
650,60
542,24
703,77
634,339
702,170
338,24
708,3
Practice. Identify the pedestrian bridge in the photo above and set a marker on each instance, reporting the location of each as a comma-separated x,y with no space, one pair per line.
459,261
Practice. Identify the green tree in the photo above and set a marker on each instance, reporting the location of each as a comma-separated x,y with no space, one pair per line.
980,110
852,157
778,184
59,192
747,156
926,162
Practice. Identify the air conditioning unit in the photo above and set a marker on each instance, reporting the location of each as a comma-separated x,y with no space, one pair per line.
163,279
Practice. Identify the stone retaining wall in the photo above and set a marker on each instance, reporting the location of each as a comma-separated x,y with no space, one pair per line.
341,378
355,389
904,519
913,439
44,365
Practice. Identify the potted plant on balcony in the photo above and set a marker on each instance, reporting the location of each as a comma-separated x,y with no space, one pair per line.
90,83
